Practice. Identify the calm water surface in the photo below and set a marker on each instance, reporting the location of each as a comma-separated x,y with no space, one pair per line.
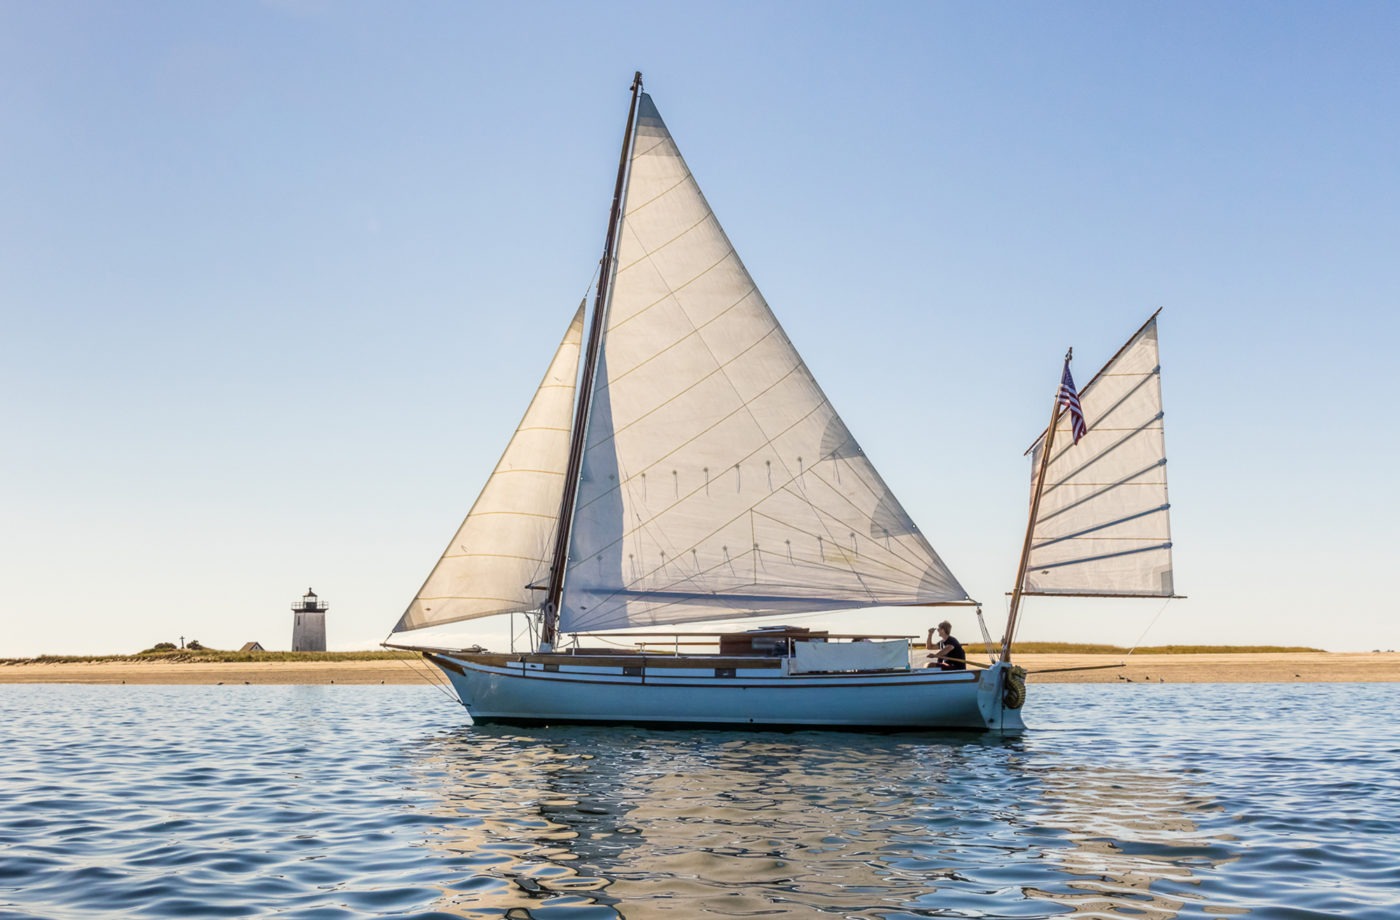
1142,801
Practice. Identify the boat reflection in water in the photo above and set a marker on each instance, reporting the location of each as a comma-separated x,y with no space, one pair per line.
625,823
1135,849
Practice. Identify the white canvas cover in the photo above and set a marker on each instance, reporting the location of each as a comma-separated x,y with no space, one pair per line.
718,481
1103,527
888,655
506,541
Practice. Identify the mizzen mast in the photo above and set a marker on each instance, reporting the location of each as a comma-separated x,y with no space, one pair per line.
1018,590
555,589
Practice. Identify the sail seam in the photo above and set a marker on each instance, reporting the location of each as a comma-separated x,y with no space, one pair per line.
718,422
792,479
527,514
1106,487
671,296
649,253
633,551
1146,426
642,206
721,368
718,371
786,487
658,140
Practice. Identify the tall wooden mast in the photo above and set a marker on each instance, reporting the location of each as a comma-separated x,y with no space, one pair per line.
555,591
1019,588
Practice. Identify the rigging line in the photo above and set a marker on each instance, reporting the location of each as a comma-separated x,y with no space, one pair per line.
592,280
429,676
986,635
1150,624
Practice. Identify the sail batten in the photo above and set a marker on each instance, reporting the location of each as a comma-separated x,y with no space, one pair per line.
717,481
1102,523
1101,488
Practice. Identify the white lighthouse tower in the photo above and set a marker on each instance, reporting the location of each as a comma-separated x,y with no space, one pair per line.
309,623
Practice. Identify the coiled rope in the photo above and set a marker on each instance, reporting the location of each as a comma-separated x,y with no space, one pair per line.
1013,693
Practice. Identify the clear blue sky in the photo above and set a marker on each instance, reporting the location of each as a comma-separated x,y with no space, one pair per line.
277,280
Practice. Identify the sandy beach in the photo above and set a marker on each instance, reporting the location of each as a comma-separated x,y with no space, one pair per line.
1238,668
384,671
1335,667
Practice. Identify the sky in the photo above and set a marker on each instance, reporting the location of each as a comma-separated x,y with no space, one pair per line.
278,279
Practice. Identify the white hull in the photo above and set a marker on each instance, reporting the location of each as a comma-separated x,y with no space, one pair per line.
715,691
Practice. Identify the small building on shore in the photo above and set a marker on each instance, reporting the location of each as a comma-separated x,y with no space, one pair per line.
252,647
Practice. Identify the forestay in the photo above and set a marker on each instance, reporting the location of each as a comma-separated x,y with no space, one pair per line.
717,479
1103,525
504,545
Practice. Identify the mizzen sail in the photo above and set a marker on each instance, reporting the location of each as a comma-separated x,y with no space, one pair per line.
504,545
717,480
1102,525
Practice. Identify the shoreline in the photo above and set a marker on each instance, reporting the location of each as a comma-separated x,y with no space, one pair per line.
1262,667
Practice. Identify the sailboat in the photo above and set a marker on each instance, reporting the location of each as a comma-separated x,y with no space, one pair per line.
680,465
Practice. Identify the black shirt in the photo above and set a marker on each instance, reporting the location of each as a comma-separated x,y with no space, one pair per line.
956,659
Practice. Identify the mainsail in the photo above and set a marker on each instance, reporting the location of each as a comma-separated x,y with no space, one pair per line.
1102,525
717,480
504,545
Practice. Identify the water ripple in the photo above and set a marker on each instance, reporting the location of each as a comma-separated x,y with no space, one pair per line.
349,802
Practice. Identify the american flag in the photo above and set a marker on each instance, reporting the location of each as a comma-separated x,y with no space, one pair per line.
1070,400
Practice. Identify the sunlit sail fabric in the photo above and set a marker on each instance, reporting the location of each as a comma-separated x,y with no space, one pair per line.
506,541
717,479
1103,526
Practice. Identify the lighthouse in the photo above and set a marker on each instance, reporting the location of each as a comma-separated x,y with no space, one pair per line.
309,623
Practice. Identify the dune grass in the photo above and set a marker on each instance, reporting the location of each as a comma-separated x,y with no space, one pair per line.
1078,648
214,656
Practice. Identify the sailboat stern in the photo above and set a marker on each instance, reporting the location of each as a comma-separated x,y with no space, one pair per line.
1000,694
